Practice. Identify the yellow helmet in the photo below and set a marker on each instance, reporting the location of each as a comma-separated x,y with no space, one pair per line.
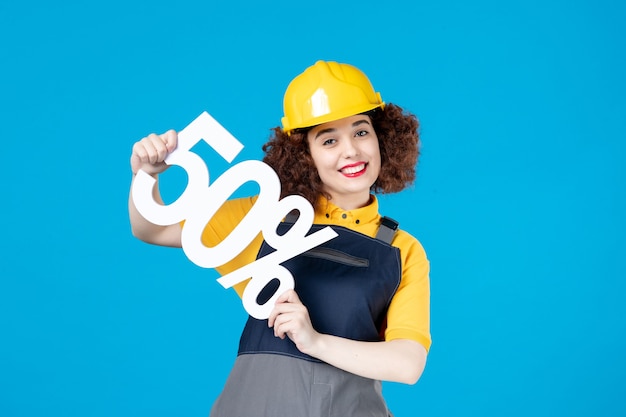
325,92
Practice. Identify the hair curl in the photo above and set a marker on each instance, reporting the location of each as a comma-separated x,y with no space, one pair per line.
398,139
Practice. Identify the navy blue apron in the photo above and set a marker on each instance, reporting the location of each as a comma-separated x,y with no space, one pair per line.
346,284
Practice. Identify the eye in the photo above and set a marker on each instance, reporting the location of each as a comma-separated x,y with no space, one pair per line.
362,133
328,142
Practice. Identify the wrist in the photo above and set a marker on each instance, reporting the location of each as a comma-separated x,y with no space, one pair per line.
318,346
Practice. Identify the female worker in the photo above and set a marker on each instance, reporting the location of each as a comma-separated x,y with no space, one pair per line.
359,313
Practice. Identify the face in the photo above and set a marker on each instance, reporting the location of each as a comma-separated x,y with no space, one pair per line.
347,158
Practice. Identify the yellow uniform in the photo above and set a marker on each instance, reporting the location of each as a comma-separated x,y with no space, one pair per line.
408,316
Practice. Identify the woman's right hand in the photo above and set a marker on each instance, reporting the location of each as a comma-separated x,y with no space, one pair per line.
150,152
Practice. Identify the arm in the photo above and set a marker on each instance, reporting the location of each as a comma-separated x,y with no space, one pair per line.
149,154
399,360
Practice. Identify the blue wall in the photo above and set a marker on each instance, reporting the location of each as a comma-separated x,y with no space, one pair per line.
520,201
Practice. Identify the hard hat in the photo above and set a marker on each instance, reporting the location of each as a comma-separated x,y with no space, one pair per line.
325,92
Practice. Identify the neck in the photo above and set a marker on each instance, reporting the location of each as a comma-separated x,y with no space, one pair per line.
351,203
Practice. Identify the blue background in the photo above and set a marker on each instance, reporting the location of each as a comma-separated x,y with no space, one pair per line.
520,201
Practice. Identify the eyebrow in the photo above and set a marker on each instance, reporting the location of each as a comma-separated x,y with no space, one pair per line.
330,130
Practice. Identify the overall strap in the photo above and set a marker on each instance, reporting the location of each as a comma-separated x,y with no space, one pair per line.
387,229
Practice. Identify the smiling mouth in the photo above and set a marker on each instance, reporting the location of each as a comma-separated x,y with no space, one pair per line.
354,170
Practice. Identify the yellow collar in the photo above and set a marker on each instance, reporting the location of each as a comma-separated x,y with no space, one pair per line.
328,213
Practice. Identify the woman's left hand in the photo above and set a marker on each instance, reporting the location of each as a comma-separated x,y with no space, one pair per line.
291,318
399,360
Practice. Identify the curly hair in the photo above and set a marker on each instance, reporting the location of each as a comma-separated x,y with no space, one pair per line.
398,139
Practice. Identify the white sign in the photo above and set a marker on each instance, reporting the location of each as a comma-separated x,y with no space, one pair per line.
201,200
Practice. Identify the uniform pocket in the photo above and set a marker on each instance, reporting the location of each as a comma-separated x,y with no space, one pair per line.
334,255
321,399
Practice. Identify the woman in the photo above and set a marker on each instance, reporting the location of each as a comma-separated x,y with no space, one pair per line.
359,313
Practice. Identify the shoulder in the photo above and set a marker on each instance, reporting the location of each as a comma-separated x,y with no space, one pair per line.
407,242
226,218
235,209
412,254
244,203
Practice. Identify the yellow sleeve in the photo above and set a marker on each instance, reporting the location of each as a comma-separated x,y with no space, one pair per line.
220,226
409,312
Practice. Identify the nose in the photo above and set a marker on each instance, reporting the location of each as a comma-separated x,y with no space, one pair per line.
350,148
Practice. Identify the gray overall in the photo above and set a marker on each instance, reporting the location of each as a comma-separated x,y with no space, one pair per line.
346,284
